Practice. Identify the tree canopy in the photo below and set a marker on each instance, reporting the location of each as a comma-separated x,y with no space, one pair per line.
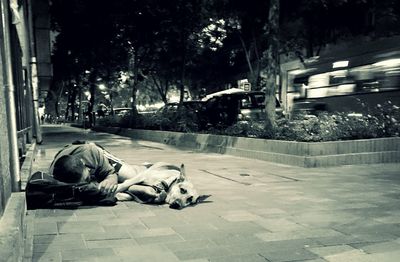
152,46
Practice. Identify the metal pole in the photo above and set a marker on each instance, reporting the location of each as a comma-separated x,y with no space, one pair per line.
9,95
35,95
33,77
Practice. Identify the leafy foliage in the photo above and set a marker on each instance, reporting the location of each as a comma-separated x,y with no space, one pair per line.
194,44
384,122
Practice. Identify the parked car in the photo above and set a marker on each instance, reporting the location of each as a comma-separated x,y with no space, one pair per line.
121,111
228,108
192,106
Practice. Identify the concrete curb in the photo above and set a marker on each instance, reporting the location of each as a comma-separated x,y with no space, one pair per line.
13,226
12,229
304,154
26,168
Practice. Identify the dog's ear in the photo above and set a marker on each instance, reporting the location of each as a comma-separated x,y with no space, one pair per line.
202,198
182,176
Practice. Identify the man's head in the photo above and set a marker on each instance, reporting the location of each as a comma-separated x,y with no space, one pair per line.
70,169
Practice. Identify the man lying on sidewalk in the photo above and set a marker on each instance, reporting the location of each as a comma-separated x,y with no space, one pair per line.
89,162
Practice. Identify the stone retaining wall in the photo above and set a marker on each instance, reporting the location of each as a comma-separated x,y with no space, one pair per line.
13,226
313,154
12,229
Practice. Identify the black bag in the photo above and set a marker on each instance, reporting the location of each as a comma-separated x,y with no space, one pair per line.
43,191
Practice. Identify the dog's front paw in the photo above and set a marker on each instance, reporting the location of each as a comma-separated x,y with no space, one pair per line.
123,197
160,198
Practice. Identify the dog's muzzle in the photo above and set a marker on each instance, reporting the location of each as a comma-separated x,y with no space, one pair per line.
177,204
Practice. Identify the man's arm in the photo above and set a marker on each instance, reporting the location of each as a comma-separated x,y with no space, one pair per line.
104,172
110,184
130,175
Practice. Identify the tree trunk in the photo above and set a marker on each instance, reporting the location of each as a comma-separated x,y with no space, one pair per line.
92,90
133,82
272,67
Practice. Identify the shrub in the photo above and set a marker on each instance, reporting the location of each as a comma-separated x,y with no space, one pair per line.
108,121
180,121
384,121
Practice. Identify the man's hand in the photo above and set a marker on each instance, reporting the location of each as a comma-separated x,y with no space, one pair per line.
109,185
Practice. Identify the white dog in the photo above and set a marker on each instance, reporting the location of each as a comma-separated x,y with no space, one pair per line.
161,183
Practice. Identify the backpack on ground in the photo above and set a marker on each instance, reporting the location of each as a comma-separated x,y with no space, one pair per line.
44,191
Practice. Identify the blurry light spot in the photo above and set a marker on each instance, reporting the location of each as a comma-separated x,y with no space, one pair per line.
339,64
389,62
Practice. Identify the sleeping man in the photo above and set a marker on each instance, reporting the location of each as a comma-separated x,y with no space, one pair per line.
157,183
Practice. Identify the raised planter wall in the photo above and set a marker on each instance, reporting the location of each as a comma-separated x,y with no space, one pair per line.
313,154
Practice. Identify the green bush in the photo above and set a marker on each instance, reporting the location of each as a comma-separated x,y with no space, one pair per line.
384,121
180,121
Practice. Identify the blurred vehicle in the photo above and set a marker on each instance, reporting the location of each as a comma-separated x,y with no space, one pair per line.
226,108
356,84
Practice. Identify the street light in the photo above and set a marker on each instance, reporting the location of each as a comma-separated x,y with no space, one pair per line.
102,87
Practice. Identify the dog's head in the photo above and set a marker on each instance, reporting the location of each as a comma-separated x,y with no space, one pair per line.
182,193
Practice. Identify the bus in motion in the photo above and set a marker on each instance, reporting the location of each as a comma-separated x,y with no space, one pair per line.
353,84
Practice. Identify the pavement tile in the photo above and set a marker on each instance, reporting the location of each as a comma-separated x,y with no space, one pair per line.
330,250
189,244
193,228
93,211
106,236
381,247
45,228
152,232
337,240
155,222
122,213
54,212
203,234
324,218
388,219
267,212
198,220
128,221
374,237
239,258
239,215
288,255
197,260
351,255
46,239
79,227
279,224
242,227
392,256
287,235
95,217
377,229
84,254
244,248
110,243
122,228
158,239
235,239
208,253
151,253
312,260
51,219
54,247
46,257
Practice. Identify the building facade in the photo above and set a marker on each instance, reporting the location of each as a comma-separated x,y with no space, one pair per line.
25,72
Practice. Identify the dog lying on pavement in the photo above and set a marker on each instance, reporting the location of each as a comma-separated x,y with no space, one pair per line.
169,182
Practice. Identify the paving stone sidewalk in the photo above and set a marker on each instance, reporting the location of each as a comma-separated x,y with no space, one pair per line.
260,211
